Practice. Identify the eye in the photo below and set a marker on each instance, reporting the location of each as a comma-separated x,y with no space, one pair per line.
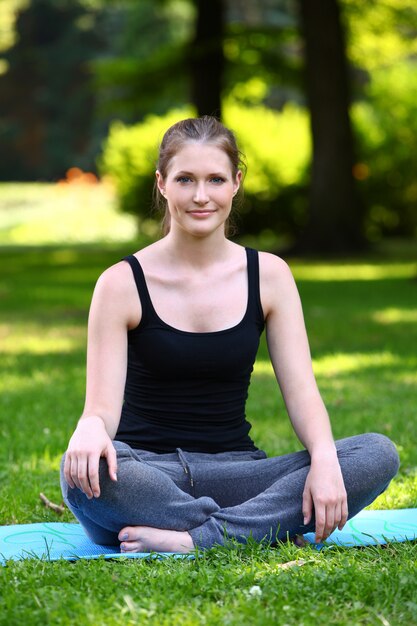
217,180
183,179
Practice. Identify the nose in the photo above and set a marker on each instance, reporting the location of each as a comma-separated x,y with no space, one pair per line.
200,194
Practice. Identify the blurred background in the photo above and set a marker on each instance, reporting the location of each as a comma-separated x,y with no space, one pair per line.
322,95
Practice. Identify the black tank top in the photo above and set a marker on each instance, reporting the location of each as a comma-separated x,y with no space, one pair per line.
187,389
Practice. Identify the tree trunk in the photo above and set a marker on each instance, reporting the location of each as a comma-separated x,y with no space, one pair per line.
335,211
206,57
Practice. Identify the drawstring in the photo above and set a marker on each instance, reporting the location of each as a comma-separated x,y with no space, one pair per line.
184,464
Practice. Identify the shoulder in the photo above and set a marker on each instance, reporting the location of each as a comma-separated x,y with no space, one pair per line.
116,295
119,277
272,269
277,283
115,280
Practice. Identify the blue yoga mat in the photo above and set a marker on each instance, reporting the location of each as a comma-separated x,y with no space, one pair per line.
373,528
57,540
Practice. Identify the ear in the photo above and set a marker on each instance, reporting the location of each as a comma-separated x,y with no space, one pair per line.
237,182
160,182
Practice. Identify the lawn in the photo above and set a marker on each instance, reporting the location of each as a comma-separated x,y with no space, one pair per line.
362,321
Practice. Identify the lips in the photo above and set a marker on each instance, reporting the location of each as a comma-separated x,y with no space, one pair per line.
200,212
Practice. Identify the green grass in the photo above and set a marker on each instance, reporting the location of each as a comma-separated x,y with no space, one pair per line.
361,318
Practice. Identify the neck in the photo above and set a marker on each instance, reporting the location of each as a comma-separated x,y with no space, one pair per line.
197,251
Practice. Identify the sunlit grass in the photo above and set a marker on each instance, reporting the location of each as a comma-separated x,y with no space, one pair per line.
401,494
263,367
31,338
37,213
341,272
338,363
395,316
39,463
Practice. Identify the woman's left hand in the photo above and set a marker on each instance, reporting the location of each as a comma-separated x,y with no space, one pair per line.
325,493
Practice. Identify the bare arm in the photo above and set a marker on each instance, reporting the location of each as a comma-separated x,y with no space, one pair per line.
114,309
290,356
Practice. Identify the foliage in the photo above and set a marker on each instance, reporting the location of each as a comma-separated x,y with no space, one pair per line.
275,145
264,44
380,34
144,69
7,19
277,148
388,137
368,380
47,104
147,67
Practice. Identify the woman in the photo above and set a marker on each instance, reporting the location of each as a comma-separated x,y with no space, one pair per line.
161,459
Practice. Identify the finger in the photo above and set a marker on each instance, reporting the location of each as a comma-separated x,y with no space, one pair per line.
337,516
74,472
345,513
93,474
320,522
83,477
329,523
111,461
67,471
307,507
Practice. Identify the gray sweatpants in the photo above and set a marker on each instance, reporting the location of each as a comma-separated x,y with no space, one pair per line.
224,495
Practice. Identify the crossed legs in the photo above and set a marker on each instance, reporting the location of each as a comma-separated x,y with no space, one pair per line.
160,504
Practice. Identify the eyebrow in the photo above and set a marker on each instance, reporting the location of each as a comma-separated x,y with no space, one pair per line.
212,174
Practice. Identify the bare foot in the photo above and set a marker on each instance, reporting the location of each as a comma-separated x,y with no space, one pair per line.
148,539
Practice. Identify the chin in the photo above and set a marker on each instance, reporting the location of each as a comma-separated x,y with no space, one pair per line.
203,229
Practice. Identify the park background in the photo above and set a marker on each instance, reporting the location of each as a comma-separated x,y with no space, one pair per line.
323,98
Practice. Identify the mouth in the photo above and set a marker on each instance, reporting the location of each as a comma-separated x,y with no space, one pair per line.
200,212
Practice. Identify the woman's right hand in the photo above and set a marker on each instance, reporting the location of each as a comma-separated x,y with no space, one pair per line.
87,445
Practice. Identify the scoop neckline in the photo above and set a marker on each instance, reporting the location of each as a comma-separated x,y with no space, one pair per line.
191,332
207,332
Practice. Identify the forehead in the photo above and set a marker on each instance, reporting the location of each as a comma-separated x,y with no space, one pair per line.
197,156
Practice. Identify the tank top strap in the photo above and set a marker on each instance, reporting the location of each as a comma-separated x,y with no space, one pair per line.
139,276
254,297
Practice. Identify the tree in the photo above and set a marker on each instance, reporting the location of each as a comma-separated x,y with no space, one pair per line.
46,101
335,208
206,57
170,53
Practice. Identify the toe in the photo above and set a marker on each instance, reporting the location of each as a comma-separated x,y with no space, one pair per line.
127,533
130,546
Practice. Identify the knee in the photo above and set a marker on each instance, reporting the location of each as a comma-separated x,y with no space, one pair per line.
130,474
383,450
108,487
